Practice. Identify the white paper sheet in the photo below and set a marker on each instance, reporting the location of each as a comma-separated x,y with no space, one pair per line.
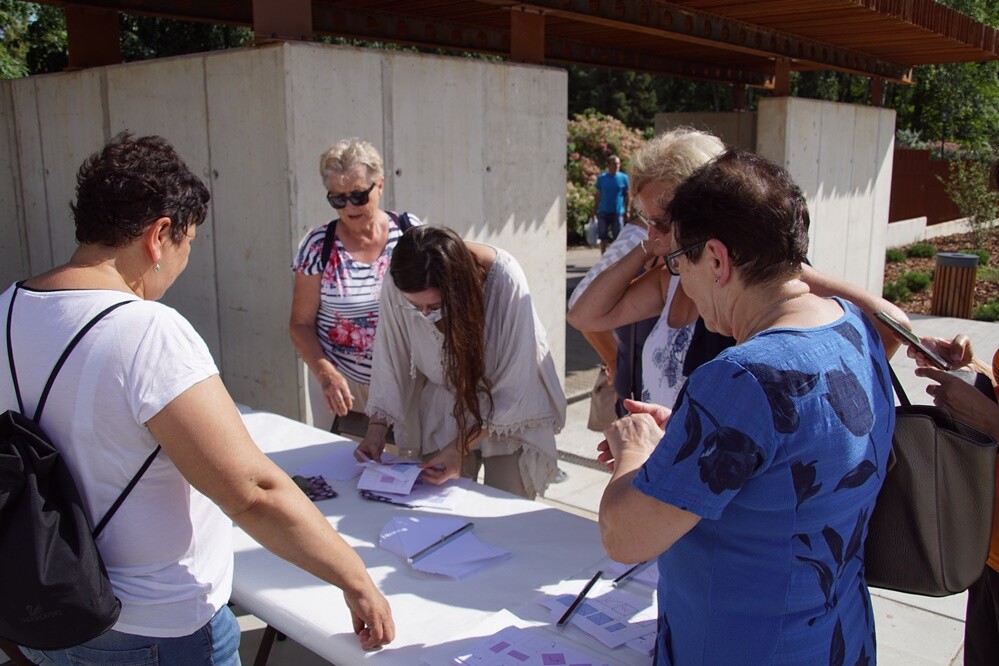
397,478
609,614
513,646
457,558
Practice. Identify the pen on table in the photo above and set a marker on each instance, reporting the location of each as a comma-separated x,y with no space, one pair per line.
627,574
579,599
375,497
440,542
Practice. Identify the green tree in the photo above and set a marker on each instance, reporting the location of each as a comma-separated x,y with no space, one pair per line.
967,185
32,39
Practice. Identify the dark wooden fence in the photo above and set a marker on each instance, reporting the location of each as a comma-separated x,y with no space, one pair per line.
916,190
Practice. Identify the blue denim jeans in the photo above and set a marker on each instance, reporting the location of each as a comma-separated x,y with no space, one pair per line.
215,644
609,226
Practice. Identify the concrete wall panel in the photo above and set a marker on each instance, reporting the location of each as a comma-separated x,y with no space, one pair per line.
168,98
27,163
524,182
13,234
71,117
477,145
439,145
734,128
840,155
247,129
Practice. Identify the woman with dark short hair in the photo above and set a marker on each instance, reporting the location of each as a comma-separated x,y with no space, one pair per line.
756,498
143,378
462,370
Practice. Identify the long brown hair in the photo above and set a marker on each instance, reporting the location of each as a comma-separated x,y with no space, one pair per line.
429,257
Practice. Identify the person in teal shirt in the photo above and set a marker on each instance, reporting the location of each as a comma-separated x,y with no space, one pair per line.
611,202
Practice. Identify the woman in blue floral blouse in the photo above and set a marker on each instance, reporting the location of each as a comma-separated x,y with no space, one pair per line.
756,498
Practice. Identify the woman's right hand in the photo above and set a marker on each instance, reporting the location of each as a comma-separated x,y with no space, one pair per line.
958,351
372,617
338,396
373,444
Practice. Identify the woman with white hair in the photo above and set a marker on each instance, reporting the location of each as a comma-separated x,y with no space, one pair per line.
339,270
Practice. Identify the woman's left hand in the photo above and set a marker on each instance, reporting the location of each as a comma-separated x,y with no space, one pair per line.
630,440
965,402
444,465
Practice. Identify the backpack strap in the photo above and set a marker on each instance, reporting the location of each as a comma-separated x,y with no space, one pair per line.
48,387
65,355
124,493
401,221
10,349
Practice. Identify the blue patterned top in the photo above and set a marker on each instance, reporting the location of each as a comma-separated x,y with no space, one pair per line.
780,445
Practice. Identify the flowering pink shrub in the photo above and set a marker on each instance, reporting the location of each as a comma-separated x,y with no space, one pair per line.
592,138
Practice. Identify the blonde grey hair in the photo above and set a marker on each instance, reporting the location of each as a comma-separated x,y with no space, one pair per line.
348,154
672,156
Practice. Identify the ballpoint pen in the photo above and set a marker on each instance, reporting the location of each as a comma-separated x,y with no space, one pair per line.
631,570
579,599
375,497
440,542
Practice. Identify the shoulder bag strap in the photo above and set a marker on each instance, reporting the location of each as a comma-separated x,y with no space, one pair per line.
401,221
899,391
328,239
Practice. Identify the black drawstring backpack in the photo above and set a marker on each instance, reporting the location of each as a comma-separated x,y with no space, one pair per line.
54,589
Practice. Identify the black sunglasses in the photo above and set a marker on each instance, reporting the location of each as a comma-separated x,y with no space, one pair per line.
358,198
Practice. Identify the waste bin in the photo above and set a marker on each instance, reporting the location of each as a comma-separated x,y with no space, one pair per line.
954,284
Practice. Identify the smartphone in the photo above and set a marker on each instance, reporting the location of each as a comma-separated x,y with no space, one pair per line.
908,337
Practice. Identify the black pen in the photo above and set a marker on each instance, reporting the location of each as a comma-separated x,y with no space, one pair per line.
440,542
627,574
375,497
579,598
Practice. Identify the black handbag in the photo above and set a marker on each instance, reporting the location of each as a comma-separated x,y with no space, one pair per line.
931,527
54,589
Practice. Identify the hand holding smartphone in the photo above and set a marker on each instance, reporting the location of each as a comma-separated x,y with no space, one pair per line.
907,337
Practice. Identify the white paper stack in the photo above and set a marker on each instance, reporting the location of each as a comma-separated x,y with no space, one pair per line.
457,558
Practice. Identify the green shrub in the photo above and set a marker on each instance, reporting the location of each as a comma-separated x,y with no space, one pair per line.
922,250
915,281
987,312
896,292
894,255
983,256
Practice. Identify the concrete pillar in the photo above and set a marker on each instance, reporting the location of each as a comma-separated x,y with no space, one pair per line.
527,36
92,36
280,21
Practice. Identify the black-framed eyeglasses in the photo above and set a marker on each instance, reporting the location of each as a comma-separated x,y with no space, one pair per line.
671,259
358,197
662,226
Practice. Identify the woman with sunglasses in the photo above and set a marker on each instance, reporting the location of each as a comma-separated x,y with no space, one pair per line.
679,343
339,270
615,298
756,498
462,370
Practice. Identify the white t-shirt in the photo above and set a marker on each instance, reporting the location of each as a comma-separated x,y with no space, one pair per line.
168,549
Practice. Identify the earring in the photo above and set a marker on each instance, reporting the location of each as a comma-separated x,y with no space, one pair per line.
157,269
716,279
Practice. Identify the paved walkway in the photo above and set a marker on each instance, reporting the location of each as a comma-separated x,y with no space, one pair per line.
912,630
